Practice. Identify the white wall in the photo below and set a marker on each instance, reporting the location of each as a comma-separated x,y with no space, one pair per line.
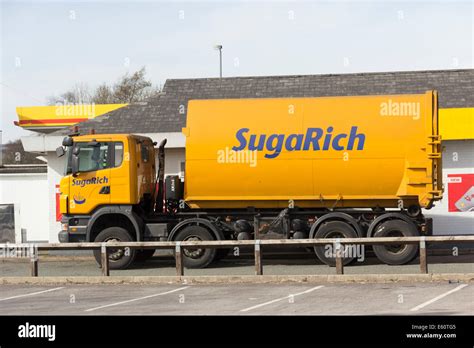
29,193
55,173
458,158
173,159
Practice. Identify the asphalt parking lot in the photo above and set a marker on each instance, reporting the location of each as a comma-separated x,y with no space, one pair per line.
236,299
239,299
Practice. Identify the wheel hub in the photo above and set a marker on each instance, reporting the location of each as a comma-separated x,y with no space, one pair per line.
193,253
115,254
395,248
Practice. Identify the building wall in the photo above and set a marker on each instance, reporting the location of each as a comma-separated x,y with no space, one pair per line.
28,193
55,172
458,158
173,160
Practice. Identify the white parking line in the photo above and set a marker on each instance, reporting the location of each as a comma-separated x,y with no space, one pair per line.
424,304
136,299
31,294
281,298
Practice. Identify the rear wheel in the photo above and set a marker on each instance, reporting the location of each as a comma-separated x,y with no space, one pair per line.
398,254
119,258
335,229
196,258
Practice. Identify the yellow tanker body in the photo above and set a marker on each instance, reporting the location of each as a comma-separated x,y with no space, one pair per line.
331,152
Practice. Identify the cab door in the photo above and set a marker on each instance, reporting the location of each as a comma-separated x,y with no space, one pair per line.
90,187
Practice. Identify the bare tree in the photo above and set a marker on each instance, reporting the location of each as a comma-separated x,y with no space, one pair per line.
103,95
128,89
78,94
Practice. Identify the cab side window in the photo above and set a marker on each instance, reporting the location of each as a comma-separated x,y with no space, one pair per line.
144,152
118,154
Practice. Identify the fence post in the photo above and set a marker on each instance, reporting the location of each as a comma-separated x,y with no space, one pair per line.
34,260
423,257
104,253
339,263
258,258
179,260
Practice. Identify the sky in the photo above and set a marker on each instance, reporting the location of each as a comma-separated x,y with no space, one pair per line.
49,46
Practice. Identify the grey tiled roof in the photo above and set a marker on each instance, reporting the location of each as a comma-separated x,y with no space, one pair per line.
161,113
14,154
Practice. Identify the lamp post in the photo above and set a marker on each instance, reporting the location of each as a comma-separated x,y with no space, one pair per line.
219,47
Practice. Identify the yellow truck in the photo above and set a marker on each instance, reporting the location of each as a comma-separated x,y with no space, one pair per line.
288,168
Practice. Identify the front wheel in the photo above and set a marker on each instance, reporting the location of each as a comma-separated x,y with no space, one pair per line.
196,258
120,258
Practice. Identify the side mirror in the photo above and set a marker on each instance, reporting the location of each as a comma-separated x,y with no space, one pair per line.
75,160
75,164
68,141
60,151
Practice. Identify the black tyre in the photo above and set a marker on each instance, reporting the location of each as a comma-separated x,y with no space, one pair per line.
120,258
196,258
396,254
335,229
144,255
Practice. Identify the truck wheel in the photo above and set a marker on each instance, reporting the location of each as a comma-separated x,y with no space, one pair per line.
398,254
119,258
327,253
143,255
196,258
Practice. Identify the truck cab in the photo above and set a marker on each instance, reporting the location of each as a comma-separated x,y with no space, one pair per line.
107,179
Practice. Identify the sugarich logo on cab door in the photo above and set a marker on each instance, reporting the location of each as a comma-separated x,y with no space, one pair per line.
92,181
314,139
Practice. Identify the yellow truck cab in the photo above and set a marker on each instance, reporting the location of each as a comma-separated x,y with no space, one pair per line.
97,191
278,168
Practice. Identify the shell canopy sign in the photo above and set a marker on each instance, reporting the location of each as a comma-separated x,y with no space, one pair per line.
61,115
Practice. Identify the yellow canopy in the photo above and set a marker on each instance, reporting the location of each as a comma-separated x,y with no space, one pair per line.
60,115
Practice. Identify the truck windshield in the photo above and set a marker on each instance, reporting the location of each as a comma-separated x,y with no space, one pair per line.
91,157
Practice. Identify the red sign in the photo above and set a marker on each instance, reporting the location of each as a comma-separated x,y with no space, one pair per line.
58,210
461,192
